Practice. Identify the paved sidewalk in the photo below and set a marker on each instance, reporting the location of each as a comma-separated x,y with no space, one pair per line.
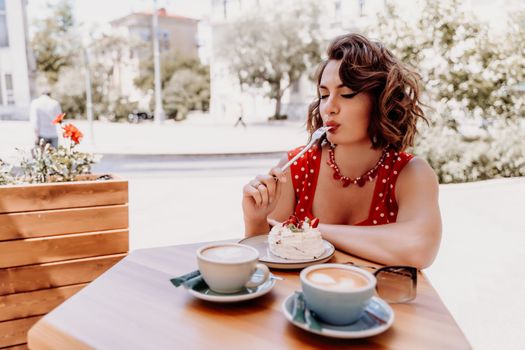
198,136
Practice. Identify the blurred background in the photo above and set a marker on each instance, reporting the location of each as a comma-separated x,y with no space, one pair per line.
221,61
221,91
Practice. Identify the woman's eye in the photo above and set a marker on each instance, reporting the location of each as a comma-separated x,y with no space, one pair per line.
322,97
349,95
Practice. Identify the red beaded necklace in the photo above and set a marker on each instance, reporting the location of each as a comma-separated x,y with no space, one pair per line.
360,180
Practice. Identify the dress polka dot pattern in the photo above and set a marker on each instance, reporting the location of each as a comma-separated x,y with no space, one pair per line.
383,209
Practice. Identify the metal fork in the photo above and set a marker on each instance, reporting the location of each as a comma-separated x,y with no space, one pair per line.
315,137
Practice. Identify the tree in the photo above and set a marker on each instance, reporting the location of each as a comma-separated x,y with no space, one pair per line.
107,51
185,91
468,75
170,62
273,51
465,70
53,43
185,83
70,90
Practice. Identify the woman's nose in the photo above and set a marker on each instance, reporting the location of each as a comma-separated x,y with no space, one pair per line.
331,106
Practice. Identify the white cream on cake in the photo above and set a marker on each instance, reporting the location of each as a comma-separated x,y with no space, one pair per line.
296,240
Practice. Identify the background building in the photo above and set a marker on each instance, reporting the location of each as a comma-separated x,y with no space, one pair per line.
177,34
15,87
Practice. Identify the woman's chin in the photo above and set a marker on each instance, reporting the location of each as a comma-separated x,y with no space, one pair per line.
333,139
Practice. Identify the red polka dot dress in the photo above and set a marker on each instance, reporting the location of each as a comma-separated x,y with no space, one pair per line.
383,209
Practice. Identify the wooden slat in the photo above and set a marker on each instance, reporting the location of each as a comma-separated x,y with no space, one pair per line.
62,221
21,198
48,249
15,332
56,274
35,303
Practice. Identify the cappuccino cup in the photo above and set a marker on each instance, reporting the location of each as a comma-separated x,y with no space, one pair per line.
337,293
229,267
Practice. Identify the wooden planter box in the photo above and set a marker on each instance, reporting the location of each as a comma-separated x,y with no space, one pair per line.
54,239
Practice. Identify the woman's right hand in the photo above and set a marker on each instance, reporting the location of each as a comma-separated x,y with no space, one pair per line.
261,194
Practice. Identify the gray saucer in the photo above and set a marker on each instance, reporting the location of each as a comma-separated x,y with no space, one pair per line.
366,326
202,291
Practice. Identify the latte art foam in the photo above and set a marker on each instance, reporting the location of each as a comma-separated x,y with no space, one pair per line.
337,279
228,253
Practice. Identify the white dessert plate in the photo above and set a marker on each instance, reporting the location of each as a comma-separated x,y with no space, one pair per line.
202,291
366,326
260,243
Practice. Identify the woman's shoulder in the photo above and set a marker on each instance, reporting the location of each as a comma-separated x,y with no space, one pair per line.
417,165
416,174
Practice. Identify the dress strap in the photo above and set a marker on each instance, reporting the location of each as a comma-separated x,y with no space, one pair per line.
305,172
384,205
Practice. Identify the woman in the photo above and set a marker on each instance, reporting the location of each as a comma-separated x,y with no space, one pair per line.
372,199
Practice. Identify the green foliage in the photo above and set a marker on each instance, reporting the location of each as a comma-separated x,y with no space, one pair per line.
170,62
468,75
38,167
185,83
119,109
5,173
104,53
53,43
272,51
47,164
58,57
463,67
500,153
187,90
69,90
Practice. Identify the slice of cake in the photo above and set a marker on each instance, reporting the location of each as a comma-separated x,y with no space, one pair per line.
296,240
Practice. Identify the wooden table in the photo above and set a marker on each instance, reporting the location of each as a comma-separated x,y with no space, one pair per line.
134,306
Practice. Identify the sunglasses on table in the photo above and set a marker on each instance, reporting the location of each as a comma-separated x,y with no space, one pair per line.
395,284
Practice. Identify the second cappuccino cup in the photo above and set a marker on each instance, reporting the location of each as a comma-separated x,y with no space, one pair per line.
230,267
337,293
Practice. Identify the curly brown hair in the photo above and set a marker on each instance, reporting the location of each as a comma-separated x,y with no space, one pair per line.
368,66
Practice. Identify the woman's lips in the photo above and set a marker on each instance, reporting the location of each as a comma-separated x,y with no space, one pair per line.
333,127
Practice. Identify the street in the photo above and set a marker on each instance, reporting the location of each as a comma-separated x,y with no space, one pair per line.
185,199
176,166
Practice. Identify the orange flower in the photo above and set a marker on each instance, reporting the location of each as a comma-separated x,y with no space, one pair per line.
71,131
59,118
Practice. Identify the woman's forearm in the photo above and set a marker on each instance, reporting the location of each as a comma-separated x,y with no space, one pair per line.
400,243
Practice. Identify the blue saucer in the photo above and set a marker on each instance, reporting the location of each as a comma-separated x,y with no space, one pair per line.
366,326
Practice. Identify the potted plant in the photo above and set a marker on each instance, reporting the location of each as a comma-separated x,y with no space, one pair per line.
60,228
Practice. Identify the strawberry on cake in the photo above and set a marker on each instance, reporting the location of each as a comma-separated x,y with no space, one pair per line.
296,240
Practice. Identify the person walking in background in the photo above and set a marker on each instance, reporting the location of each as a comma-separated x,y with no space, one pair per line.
42,112
241,116
240,121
